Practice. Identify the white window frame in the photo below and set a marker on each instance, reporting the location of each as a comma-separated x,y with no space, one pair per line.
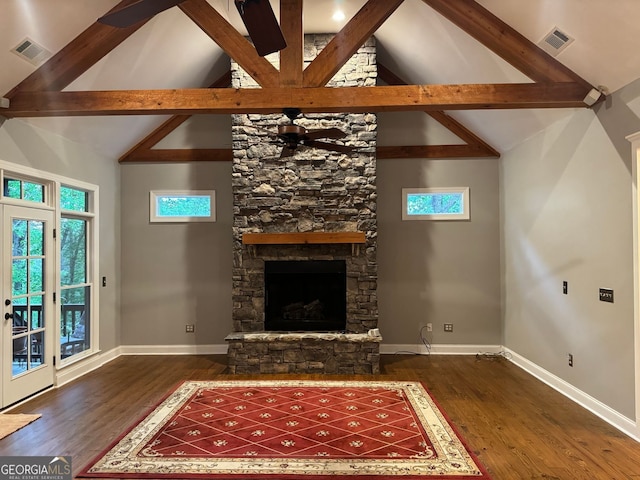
153,204
466,207
52,183
92,263
19,174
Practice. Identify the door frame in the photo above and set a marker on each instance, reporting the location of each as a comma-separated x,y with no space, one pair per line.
635,184
79,364
23,385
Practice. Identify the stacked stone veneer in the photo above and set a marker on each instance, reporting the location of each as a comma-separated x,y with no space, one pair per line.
313,191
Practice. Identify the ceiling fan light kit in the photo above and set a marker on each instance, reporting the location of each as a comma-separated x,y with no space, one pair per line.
293,136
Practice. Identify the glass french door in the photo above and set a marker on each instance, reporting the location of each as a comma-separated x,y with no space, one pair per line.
27,296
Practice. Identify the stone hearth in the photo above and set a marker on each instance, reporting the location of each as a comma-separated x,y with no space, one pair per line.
314,190
268,352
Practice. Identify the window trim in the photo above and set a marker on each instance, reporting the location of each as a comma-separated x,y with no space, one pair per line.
466,207
153,199
52,184
26,174
91,277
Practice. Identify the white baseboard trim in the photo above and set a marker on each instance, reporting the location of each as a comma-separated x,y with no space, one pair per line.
438,349
606,413
174,349
614,418
83,366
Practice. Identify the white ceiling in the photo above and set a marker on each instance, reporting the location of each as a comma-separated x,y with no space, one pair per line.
416,43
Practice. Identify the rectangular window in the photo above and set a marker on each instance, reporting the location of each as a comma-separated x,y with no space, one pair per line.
23,190
76,286
182,206
73,199
435,203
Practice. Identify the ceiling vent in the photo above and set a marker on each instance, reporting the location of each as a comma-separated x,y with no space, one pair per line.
555,42
30,51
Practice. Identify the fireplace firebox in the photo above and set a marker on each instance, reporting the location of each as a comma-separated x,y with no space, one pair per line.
305,295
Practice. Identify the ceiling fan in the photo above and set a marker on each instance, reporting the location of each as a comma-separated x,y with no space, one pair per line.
293,136
257,16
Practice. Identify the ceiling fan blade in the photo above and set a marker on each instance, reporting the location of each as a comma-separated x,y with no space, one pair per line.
137,12
325,133
262,25
329,146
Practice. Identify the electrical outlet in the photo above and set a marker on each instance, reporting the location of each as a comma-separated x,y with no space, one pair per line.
570,358
448,327
565,287
190,328
429,327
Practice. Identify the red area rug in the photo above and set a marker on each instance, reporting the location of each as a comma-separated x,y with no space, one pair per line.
292,429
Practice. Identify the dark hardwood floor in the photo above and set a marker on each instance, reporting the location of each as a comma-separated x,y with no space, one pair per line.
518,427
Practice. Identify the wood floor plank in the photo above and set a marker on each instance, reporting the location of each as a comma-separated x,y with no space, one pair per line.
518,427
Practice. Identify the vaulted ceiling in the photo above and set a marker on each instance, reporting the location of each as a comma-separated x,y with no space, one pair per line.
446,60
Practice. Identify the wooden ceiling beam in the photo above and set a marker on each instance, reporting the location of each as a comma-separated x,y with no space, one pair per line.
291,57
309,100
230,40
76,57
168,126
382,153
505,41
432,151
348,40
441,117
143,152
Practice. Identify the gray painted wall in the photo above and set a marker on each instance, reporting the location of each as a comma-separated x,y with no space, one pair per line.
24,144
439,271
175,274
567,215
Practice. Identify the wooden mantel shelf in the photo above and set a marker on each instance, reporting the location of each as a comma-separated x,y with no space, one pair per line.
299,238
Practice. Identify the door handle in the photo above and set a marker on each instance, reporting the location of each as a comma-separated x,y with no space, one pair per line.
8,316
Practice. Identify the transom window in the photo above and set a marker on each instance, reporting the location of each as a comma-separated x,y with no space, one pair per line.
435,203
20,189
74,199
182,206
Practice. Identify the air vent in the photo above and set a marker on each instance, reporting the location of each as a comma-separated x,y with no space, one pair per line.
555,41
30,51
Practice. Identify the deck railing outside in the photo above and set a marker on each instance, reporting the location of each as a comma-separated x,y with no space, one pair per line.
74,333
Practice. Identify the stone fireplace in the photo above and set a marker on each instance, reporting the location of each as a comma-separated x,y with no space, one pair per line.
316,208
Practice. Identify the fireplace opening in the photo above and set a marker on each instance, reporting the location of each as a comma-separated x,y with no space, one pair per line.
305,295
